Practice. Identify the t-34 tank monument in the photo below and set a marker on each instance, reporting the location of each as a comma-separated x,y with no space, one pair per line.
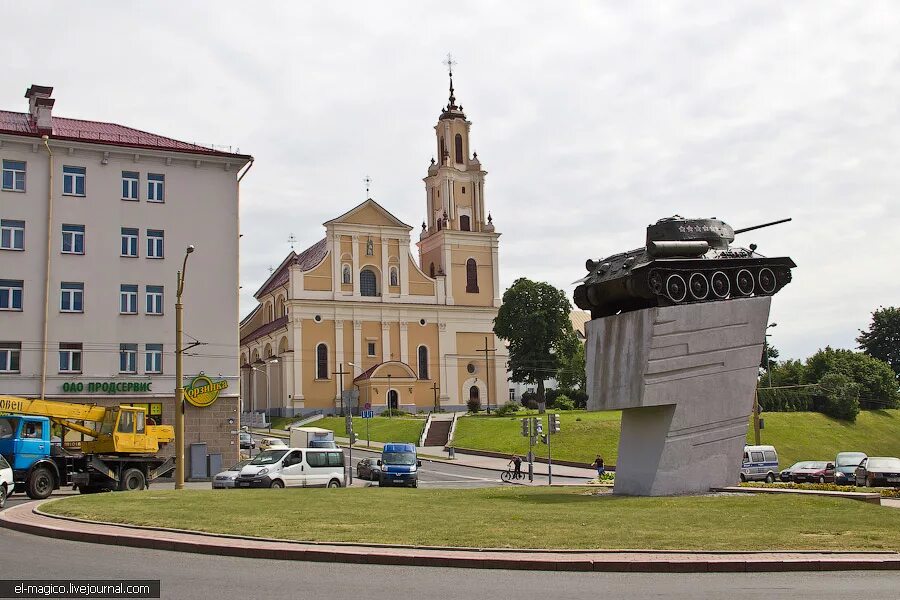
675,340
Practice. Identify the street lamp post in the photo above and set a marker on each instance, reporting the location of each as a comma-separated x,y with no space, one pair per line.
756,408
179,374
390,408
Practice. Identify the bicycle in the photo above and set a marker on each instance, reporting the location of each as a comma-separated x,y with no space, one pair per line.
509,474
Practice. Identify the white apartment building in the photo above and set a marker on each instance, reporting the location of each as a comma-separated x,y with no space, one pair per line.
95,219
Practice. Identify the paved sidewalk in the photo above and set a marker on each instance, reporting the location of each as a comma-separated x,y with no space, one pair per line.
22,518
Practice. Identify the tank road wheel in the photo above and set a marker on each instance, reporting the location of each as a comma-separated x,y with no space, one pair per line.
766,280
40,484
132,480
699,286
743,281
720,284
655,282
676,288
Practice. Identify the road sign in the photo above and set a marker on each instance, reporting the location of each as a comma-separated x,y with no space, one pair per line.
367,414
368,406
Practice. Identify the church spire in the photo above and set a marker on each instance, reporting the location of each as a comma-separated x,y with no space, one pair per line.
451,111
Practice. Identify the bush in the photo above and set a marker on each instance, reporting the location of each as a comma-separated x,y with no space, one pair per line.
529,400
563,402
474,405
510,408
396,412
841,396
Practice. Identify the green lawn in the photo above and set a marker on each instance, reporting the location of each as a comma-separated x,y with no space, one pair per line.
797,436
381,429
514,517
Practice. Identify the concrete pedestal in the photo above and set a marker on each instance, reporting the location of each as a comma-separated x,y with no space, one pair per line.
684,377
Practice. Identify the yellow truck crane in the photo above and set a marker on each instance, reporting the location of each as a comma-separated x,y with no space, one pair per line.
121,455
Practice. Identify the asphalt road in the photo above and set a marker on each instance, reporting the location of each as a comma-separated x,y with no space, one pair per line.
202,577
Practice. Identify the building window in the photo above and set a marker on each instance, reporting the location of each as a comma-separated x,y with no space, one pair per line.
129,242
71,297
11,294
471,276
371,348
367,283
72,239
130,182
128,299
473,393
465,223
321,361
10,355
155,243
156,187
512,393
395,276
423,362
69,358
14,176
73,181
12,235
459,149
153,358
393,399
154,299
127,358
346,276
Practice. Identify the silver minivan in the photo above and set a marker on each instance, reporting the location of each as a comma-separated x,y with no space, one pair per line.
293,467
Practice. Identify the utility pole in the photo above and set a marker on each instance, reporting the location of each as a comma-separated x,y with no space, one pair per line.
487,368
179,374
390,409
437,404
341,374
756,416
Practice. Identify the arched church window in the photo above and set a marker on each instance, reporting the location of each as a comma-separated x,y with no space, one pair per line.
395,276
464,223
367,283
471,276
473,393
459,149
321,361
346,277
423,362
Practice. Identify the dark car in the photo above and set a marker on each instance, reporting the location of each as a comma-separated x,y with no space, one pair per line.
846,463
814,472
786,474
247,442
368,468
879,471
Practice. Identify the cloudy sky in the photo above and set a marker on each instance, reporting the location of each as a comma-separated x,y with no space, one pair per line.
593,120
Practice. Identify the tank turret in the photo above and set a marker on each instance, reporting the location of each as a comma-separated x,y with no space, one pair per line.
683,261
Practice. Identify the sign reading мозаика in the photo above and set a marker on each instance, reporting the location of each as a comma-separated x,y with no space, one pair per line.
107,387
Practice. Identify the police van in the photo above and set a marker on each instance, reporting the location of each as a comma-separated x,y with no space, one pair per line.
760,463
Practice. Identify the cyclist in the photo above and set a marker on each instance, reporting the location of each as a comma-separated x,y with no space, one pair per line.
516,462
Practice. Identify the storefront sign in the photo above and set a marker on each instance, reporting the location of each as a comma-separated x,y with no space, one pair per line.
203,391
107,387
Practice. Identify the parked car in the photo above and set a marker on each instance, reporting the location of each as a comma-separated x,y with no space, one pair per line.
785,474
368,469
878,471
815,472
270,443
247,441
287,467
226,478
6,481
760,463
845,467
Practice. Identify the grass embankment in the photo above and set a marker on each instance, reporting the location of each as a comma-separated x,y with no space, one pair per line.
381,429
797,436
506,517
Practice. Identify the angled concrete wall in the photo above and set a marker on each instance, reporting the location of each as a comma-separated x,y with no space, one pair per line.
684,377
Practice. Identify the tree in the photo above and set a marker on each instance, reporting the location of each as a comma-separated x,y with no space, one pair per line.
882,340
876,379
534,319
572,374
769,356
841,396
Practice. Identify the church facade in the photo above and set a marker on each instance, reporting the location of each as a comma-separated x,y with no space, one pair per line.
355,320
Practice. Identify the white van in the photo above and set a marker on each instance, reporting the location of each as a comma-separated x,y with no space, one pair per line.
293,467
760,463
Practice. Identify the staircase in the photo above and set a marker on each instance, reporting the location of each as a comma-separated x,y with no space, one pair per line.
438,433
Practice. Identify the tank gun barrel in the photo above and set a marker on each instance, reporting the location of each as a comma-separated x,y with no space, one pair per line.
745,229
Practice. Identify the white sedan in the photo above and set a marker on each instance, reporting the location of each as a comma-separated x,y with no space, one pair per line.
6,481
269,443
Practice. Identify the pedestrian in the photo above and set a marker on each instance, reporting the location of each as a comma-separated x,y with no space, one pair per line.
598,464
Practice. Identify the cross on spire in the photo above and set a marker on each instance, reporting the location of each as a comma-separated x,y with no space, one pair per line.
450,64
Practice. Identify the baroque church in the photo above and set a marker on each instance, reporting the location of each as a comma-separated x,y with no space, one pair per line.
357,313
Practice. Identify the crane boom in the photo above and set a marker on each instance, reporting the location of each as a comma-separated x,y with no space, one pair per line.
51,409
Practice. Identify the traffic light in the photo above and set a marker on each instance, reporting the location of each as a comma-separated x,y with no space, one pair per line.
538,426
348,425
525,428
554,423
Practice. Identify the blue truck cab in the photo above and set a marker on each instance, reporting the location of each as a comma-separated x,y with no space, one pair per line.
26,444
399,466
